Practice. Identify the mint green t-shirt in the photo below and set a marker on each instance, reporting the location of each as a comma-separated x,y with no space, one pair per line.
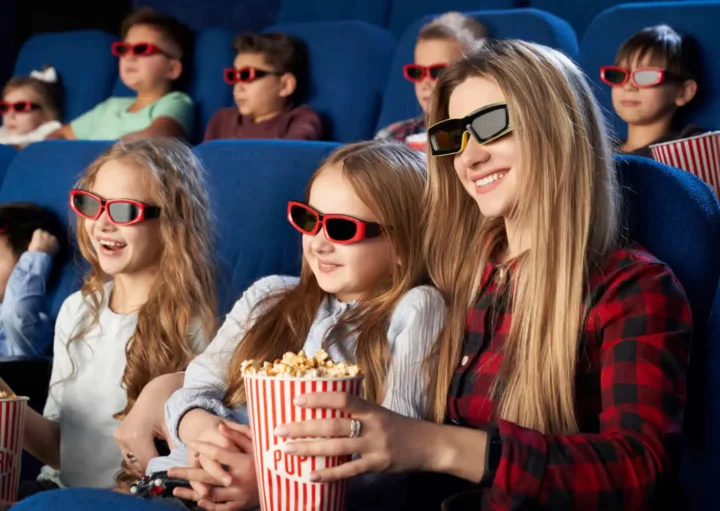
111,120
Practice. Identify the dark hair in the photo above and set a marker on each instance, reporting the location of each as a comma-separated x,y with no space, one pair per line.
51,94
456,26
677,53
18,221
284,53
171,29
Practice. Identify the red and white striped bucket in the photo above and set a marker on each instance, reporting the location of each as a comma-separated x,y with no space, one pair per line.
418,141
284,480
698,155
12,424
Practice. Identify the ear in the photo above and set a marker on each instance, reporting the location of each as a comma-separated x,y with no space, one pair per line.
686,93
288,85
175,70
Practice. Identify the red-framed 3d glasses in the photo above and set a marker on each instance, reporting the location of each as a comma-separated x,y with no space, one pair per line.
340,229
245,74
417,73
642,78
121,49
119,211
19,107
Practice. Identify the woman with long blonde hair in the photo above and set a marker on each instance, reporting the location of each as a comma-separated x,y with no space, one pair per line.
146,306
560,375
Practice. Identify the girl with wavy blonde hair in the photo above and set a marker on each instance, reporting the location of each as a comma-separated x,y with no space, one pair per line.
360,296
561,368
146,307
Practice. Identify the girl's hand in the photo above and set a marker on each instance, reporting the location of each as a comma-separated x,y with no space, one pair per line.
146,421
226,477
388,442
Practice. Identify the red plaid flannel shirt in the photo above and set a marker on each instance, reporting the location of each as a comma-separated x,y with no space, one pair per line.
629,389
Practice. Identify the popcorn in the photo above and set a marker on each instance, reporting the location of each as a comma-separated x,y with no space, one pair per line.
300,366
7,395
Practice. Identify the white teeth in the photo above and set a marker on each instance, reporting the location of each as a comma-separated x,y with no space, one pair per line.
111,244
489,179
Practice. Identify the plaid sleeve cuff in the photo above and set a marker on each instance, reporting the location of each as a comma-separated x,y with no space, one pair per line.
493,453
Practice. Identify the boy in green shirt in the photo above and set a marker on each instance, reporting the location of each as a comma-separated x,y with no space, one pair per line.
150,61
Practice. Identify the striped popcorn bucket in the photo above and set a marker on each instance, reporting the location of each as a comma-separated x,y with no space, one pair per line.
284,480
418,141
12,423
698,155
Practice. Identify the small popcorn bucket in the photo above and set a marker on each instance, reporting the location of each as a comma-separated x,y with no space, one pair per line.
12,424
418,141
284,480
698,155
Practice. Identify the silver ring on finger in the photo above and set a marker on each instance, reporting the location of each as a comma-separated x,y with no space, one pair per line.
355,428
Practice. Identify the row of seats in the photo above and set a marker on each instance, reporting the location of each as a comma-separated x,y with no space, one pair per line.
355,68
671,212
395,15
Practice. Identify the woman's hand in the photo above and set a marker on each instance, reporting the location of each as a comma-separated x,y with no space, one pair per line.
146,421
388,442
222,479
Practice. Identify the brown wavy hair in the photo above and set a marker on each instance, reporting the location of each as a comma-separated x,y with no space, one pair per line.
567,198
184,289
389,178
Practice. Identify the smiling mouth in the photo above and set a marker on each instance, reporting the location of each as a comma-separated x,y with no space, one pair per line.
496,176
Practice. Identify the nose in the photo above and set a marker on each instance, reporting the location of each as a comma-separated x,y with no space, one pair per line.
104,224
629,86
320,244
474,153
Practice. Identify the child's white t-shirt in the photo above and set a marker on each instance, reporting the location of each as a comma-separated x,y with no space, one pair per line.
84,401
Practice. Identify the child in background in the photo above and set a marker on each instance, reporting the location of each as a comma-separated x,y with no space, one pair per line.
655,74
152,58
29,238
31,108
440,42
146,307
269,83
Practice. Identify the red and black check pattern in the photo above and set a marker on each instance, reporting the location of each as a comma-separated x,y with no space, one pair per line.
630,392
400,131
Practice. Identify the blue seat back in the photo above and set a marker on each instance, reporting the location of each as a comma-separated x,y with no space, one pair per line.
86,67
349,65
610,29
7,153
250,182
400,103
212,53
677,217
404,13
233,16
705,465
44,173
300,11
581,14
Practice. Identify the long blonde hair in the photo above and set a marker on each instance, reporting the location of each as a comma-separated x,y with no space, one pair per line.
568,201
184,288
389,178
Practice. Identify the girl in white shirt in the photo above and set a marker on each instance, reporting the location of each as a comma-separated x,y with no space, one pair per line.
146,307
30,108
